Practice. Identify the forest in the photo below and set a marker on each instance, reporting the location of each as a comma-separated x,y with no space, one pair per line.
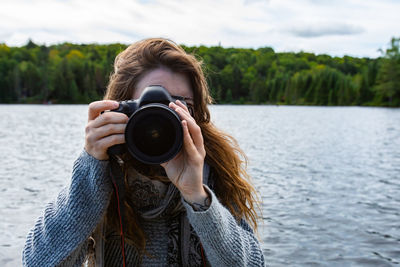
78,73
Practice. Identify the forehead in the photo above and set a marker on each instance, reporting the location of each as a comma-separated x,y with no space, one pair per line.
175,83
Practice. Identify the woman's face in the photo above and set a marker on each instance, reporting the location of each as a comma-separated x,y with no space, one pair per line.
177,84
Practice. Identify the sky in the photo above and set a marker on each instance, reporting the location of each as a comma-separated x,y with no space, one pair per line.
335,27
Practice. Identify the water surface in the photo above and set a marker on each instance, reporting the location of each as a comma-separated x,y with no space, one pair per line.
328,177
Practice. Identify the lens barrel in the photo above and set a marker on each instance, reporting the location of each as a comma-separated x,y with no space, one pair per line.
154,134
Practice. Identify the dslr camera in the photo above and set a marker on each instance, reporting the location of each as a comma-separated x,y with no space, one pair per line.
154,132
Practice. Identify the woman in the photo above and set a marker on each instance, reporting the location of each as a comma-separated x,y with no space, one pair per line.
193,210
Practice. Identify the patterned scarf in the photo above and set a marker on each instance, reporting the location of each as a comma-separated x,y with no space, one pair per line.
154,199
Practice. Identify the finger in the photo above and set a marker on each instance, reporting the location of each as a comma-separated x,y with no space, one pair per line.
175,107
110,118
164,165
180,104
193,128
183,113
107,130
111,140
189,145
95,108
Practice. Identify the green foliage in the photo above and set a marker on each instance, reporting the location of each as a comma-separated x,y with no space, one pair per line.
64,73
72,73
388,86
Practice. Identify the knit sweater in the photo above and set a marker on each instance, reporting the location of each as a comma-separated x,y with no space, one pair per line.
60,235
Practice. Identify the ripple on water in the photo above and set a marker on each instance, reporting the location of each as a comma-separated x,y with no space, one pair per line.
328,177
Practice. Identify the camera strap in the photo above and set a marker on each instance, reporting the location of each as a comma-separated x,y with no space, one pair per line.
117,178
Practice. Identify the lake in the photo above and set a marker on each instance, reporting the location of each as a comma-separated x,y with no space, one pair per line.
328,177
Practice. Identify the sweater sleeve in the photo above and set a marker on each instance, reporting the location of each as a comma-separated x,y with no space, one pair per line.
68,221
225,242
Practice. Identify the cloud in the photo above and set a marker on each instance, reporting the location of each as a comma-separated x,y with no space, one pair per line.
249,2
337,27
311,31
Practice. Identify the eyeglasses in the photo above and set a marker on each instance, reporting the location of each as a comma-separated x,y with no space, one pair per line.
189,105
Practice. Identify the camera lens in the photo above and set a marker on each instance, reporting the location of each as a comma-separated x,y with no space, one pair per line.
154,134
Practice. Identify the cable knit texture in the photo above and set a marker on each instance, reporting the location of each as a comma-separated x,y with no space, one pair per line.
60,235
225,242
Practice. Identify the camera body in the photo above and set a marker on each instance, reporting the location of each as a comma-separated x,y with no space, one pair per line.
154,132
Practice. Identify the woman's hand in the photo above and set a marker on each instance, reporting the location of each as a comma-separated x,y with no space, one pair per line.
104,130
186,170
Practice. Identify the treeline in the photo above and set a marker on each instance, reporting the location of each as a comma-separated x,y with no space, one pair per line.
71,73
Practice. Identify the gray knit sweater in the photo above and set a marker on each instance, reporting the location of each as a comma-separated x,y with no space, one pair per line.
60,236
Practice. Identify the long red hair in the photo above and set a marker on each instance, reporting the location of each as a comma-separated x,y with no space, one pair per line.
224,156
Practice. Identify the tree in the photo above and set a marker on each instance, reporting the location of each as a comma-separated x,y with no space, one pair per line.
388,80
79,73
